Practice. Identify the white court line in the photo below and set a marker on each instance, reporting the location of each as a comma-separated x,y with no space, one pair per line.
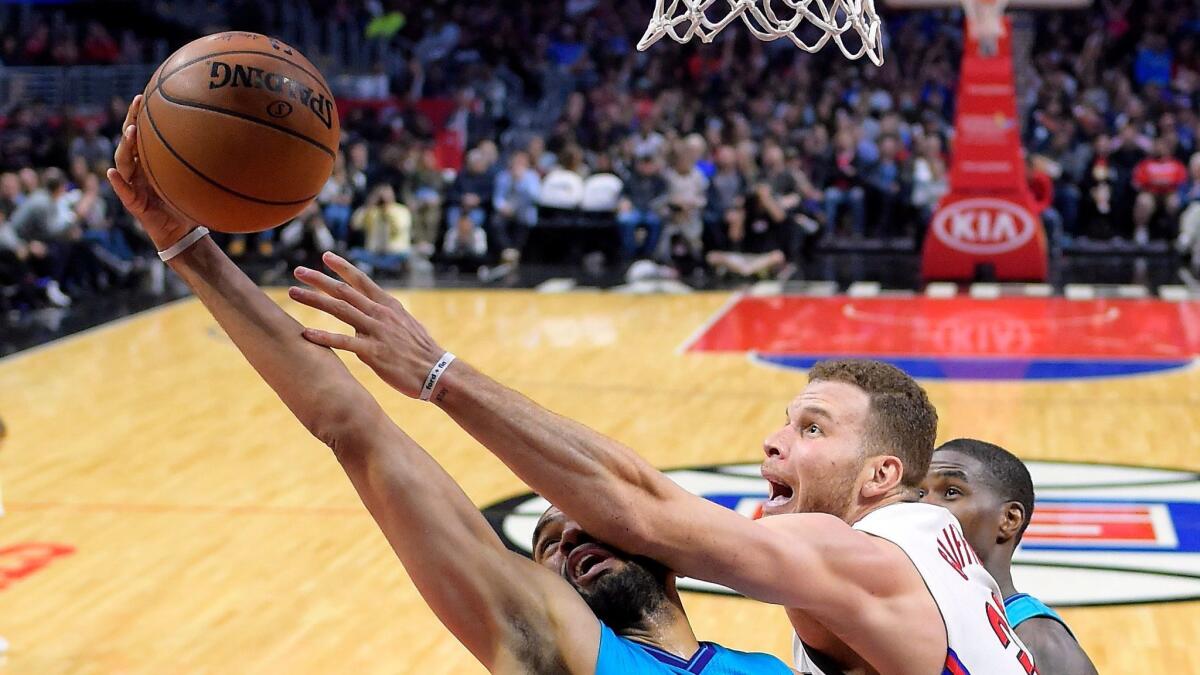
712,320
89,332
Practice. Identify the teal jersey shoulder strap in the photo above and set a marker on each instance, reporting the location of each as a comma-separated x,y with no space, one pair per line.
1023,607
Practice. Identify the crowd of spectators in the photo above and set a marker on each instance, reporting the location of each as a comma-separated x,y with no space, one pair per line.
735,158
66,43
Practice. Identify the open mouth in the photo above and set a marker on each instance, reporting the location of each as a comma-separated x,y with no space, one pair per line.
587,563
778,495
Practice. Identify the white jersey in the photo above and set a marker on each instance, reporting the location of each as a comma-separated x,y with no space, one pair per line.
979,637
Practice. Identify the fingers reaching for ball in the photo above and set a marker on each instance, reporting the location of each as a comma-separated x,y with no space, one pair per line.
386,337
125,158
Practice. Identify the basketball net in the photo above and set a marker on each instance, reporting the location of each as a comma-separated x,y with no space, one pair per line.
769,20
985,23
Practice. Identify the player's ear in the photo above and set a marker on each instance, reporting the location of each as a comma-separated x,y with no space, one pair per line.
1011,519
885,473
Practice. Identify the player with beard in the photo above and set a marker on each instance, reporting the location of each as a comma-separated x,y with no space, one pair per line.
634,598
873,581
990,491
514,615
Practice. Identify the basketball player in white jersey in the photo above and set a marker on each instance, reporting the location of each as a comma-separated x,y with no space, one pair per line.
873,582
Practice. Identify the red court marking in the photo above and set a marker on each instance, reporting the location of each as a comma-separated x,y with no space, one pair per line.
21,560
957,327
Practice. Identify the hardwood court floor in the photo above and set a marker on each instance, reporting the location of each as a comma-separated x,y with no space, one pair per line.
211,534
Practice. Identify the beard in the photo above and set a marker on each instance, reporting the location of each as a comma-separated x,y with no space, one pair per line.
835,495
626,598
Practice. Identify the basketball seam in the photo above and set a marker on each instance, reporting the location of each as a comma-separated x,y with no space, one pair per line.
154,181
242,116
163,77
167,145
315,76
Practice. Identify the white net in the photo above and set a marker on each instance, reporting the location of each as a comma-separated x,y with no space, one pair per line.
852,24
985,21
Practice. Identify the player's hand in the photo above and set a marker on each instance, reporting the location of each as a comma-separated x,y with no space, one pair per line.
162,223
386,337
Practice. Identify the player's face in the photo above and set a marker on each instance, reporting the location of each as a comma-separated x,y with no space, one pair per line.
812,463
621,590
955,481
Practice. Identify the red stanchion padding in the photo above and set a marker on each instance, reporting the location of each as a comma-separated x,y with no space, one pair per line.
989,216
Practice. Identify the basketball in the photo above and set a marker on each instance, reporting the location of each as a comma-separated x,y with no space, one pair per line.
238,131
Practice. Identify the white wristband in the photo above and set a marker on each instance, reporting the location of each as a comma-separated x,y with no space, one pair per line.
183,244
435,374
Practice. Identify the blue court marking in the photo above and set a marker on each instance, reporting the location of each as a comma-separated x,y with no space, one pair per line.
938,368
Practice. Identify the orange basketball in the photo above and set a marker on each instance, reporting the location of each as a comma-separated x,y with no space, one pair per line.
238,131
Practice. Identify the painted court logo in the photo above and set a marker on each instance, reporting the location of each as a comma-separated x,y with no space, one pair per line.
962,338
1101,534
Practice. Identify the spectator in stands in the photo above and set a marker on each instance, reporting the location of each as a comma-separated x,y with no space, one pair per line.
883,181
358,156
36,238
1188,243
725,187
930,179
1153,62
514,207
466,245
1066,160
640,209
1099,187
750,243
386,226
44,222
1041,185
335,201
19,287
90,145
687,192
539,159
423,190
99,47
472,191
1157,180
845,186
307,237
11,193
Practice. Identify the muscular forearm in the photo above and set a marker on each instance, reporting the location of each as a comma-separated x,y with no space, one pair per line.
453,557
312,381
451,554
601,483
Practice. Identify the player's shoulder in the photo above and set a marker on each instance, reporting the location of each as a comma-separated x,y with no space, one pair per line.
734,661
1022,607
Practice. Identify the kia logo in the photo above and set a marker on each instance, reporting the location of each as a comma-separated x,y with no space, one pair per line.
984,226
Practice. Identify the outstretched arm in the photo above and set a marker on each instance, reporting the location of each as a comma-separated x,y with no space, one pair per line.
504,608
614,494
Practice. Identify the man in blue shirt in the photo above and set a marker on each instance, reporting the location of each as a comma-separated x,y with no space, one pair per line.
990,491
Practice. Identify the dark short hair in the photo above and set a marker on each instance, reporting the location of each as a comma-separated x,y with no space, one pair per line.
903,422
53,179
1004,473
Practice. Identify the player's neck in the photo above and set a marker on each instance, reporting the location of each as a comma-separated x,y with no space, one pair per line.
998,563
667,629
861,510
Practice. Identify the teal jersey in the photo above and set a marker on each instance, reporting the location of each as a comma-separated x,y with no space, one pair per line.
1022,607
619,656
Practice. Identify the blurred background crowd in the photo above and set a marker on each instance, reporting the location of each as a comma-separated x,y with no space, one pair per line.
484,137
